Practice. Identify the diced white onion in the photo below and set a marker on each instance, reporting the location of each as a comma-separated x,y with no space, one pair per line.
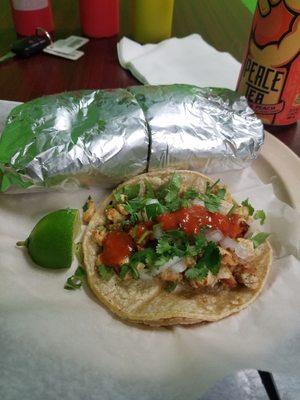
178,267
214,236
157,232
228,243
242,251
198,202
175,264
151,201
225,207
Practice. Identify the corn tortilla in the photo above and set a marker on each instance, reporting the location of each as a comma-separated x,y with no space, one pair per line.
147,302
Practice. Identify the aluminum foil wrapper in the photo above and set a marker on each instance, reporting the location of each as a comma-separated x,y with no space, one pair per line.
104,137
207,129
72,139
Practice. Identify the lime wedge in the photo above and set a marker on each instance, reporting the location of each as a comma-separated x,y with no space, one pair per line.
51,242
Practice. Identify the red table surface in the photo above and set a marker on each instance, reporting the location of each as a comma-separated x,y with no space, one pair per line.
23,80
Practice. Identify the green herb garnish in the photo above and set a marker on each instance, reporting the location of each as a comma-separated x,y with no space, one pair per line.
210,261
197,273
171,244
190,194
154,209
143,236
163,245
232,209
200,241
124,270
171,286
79,252
259,238
261,215
170,192
131,191
146,256
247,204
75,281
105,272
211,257
131,268
134,272
212,200
118,197
86,204
149,190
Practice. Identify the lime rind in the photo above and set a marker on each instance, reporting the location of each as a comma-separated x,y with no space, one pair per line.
51,242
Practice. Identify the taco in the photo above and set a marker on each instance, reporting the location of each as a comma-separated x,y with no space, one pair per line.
173,247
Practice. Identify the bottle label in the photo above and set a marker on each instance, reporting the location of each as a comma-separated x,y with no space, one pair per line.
29,5
270,75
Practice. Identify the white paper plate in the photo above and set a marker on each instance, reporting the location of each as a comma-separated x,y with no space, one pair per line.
278,164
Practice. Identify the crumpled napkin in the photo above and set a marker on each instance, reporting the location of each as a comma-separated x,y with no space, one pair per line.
187,60
58,344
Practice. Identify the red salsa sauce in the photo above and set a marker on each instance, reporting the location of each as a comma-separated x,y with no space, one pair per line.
116,247
192,219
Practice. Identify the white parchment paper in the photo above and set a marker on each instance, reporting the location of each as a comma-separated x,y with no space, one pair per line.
58,344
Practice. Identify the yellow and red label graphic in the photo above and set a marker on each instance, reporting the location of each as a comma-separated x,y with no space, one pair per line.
270,75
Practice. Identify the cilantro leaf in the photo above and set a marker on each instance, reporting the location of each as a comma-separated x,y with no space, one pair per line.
75,281
172,243
80,272
131,191
212,201
149,190
259,238
261,215
176,235
196,273
171,190
118,197
153,210
171,286
212,257
134,272
133,207
210,187
232,209
163,245
161,261
143,237
147,256
175,204
191,250
221,193
105,272
79,252
190,194
247,204
131,268
175,182
86,204
123,271
200,242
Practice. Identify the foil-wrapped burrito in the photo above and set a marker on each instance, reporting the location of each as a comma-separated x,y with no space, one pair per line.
104,137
